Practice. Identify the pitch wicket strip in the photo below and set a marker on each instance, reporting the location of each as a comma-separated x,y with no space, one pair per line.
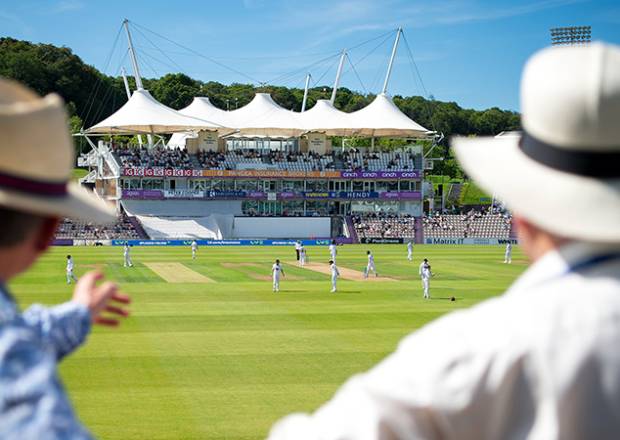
177,273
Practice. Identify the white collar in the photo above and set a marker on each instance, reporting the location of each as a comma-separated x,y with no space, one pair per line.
558,261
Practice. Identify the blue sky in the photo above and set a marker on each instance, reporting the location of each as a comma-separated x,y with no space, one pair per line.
468,51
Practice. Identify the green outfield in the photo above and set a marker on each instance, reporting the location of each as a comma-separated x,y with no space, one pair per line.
225,357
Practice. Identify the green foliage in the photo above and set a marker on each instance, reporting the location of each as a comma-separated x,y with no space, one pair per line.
473,195
92,96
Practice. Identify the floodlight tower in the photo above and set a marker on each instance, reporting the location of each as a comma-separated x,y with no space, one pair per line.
571,36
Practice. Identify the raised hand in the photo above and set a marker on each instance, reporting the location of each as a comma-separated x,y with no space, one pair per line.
102,298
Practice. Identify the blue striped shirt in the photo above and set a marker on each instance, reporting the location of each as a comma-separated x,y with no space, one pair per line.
33,402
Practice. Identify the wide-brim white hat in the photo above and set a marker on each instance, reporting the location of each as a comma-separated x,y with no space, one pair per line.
563,172
37,158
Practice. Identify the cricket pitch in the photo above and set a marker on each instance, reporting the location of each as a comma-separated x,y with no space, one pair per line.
177,273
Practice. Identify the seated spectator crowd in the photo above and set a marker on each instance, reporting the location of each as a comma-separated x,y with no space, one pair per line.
383,225
140,156
473,224
77,230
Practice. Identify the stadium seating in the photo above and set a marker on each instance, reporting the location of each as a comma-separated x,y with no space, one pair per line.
262,159
470,225
384,226
79,230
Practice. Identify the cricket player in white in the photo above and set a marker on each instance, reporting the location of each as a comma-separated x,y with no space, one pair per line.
371,265
335,274
410,251
70,275
298,247
508,254
276,271
332,250
302,256
425,275
126,255
194,249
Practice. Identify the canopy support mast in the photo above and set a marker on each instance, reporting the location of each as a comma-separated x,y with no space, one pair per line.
136,70
391,63
303,103
124,73
338,74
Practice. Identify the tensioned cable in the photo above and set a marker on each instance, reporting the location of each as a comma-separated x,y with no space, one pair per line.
356,74
301,69
428,109
95,88
325,73
305,68
172,67
108,93
139,57
254,80
160,51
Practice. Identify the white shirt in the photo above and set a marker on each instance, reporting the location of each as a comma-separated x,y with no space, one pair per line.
371,259
69,264
425,270
332,249
297,245
334,270
275,270
410,246
508,247
539,362
194,245
126,250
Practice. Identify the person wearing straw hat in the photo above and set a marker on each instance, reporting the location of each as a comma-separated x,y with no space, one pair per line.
540,361
36,160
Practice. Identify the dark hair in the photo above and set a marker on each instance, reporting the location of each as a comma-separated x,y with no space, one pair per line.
368,252
331,261
278,261
68,256
16,226
425,260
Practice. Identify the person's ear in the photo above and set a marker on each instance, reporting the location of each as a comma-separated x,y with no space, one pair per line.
45,234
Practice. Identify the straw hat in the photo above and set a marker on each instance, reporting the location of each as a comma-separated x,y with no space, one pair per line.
37,157
563,172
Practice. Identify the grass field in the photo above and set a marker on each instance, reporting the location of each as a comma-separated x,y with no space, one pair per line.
225,359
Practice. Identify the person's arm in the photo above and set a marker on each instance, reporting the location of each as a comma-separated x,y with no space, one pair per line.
33,403
63,328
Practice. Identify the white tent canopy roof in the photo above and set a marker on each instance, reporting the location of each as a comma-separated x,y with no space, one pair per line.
381,118
202,108
264,116
326,118
261,117
144,114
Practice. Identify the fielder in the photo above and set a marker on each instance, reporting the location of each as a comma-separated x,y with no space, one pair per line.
335,274
371,265
194,249
332,250
425,275
508,254
302,256
298,247
126,255
70,275
410,251
276,271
